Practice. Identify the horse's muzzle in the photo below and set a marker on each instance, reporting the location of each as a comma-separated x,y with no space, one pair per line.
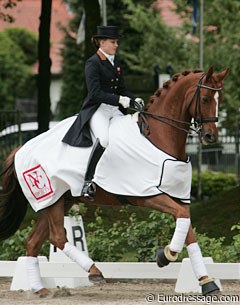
208,137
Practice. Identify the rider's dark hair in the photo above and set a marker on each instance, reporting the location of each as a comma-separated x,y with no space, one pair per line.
95,42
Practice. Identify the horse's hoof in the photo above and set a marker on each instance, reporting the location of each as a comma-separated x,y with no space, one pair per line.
162,261
43,293
96,278
209,287
164,257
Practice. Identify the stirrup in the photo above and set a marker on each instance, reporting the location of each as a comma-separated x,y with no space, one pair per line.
89,190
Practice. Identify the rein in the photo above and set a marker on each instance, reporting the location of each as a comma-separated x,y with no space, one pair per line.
197,123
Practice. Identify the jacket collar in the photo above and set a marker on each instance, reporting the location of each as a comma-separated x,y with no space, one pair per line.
109,57
106,62
101,55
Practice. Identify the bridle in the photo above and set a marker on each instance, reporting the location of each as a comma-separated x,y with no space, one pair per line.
197,119
195,126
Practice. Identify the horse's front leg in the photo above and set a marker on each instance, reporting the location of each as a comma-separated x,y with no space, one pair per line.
181,213
57,237
183,233
199,268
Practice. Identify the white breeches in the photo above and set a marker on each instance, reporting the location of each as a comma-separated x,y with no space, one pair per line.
99,123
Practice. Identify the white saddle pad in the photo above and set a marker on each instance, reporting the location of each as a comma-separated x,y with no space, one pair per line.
46,167
133,166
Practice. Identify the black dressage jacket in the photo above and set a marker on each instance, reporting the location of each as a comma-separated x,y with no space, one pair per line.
105,84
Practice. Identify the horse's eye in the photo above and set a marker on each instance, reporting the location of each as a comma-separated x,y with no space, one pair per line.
205,99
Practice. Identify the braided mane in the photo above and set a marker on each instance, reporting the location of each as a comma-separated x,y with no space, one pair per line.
167,84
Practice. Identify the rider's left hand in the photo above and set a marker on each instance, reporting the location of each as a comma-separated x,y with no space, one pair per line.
138,103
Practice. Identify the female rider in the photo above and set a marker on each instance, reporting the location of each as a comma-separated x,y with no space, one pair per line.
107,97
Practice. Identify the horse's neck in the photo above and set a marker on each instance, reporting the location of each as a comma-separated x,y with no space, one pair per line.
168,138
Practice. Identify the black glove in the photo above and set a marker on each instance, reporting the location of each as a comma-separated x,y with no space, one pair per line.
137,104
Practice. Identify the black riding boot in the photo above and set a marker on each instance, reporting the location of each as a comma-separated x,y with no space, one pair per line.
89,187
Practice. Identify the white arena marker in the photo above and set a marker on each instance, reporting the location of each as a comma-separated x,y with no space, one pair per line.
186,281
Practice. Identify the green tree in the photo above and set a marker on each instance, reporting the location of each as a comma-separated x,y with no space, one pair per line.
222,50
74,56
159,43
146,41
27,41
72,65
5,5
44,75
15,69
72,77
119,13
221,22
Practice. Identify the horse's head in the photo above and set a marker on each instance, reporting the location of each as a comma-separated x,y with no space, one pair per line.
204,105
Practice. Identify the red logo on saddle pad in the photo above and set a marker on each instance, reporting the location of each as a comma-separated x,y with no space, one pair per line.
38,182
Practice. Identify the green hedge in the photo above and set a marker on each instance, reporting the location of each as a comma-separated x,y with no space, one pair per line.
213,183
15,246
131,239
143,238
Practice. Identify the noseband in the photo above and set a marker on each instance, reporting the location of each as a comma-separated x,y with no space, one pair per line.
198,121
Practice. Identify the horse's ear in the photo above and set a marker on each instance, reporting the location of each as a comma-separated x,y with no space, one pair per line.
209,74
220,76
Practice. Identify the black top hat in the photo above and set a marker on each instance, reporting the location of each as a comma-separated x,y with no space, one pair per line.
107,32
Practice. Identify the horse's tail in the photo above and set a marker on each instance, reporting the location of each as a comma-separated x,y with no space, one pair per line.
13,204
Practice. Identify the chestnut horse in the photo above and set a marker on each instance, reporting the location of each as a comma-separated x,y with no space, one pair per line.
189,101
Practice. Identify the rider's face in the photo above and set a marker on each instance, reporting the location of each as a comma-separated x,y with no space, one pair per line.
109,46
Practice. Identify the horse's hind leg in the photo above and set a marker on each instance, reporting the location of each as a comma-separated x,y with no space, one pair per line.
38,235
34,243
199,269
57,237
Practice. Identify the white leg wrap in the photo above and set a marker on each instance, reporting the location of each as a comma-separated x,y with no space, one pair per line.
78,256
195,255
33,273
179,236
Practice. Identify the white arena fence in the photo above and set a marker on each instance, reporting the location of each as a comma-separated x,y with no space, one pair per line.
69,273
61,271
